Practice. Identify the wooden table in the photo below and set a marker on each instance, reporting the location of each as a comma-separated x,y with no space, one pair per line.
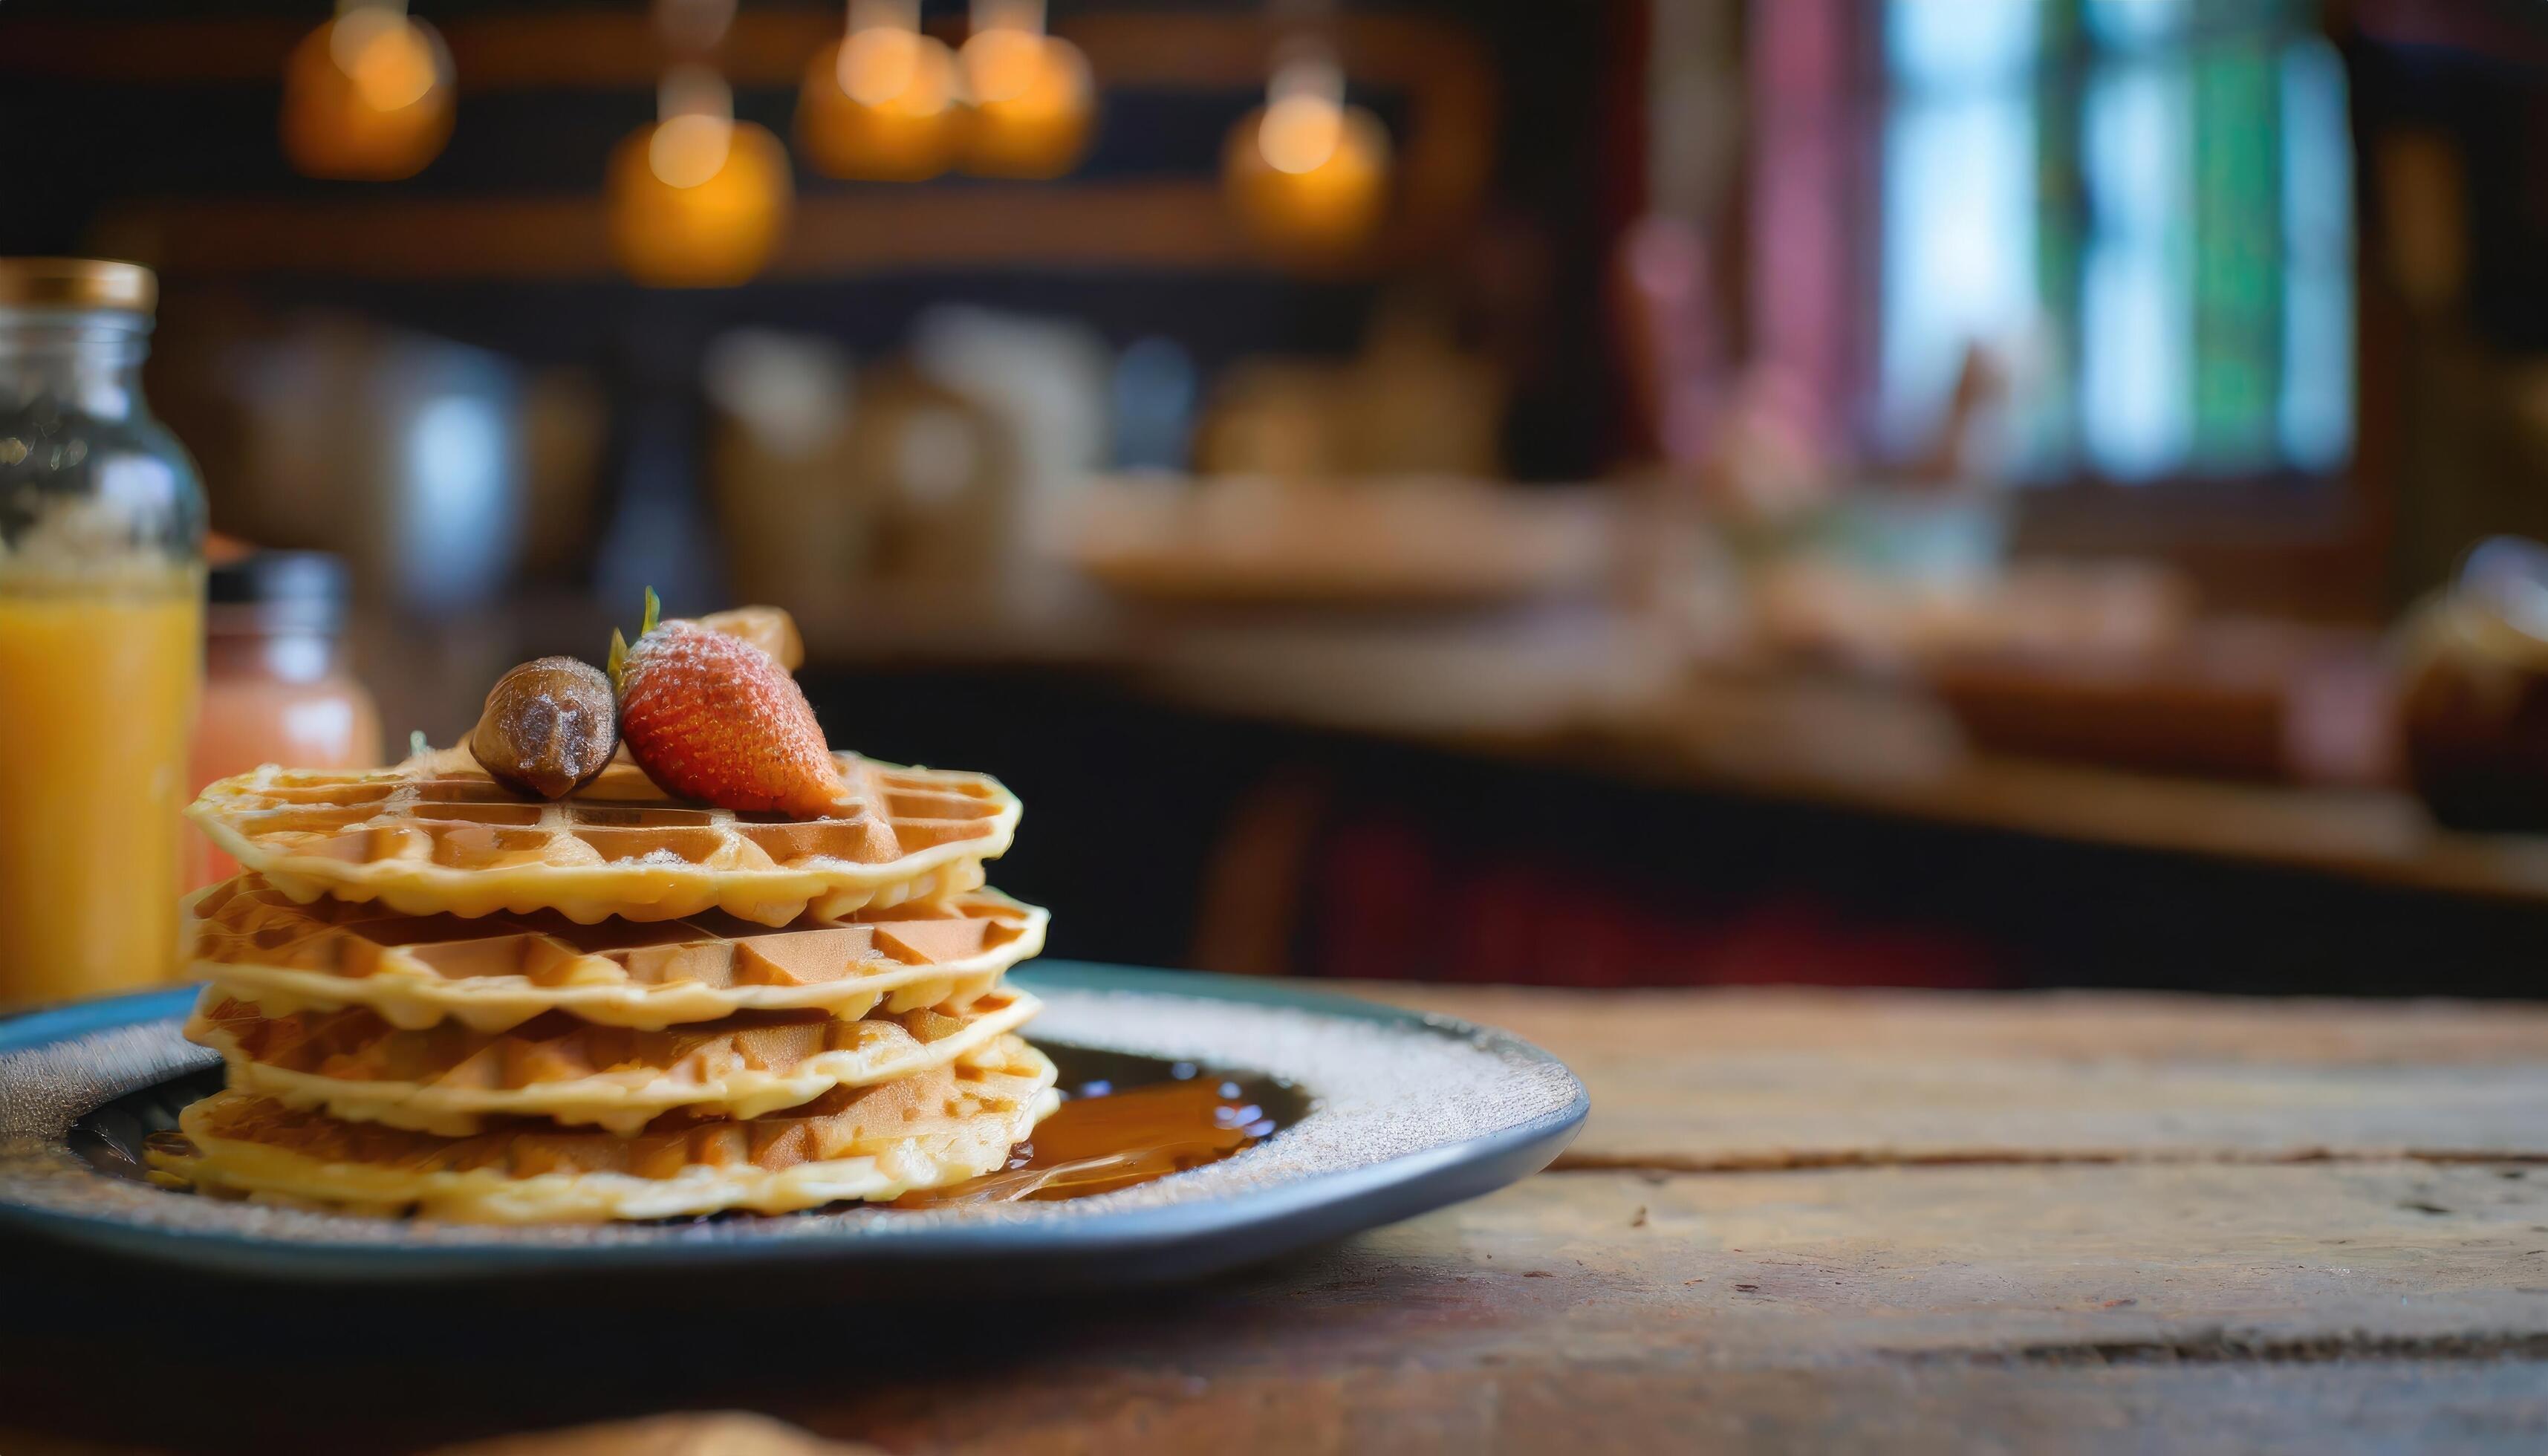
1902,1222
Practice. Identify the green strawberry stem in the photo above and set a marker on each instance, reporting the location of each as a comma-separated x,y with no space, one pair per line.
619,643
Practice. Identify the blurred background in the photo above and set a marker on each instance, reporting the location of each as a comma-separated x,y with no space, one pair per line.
1962,493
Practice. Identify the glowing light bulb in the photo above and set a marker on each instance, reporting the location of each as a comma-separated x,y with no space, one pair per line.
687,152
690,144
1308,175
1298,134
382,53
1035,104
697,200
368,95
880,103
1001,65
879,64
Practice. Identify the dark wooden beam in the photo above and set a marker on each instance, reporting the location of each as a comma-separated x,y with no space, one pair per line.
1163,224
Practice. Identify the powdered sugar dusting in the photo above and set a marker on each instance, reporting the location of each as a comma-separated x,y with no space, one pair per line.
713,718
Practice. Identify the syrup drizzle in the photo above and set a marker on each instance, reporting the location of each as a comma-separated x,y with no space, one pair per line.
1102,1140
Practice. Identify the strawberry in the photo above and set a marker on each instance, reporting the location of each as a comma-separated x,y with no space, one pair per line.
768,628
713,718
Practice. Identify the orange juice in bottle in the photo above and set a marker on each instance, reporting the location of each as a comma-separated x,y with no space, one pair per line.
94,784
101,637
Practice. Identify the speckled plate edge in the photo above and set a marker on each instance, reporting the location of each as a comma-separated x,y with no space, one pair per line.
1410,1113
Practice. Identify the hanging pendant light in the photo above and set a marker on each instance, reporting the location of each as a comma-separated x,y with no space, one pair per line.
882,104
1308,174
698,198
367,96
1033,102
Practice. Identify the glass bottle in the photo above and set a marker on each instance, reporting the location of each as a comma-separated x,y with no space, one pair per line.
101,636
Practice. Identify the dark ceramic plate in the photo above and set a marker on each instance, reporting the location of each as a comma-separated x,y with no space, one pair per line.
1381,1114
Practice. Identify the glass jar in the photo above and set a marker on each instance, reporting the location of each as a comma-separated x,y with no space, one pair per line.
2473,691
276,690
101,636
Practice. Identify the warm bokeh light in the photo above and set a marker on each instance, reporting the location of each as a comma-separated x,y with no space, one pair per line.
367,96
1035,109
689,151
697,200
880,104
389,61
1307,174
1297,133
882,65
1000,63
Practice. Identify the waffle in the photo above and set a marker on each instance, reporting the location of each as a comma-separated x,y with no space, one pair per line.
936,1128
261,946
450,1080
436,834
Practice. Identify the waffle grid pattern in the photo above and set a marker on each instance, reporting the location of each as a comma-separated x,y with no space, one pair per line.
435,834
490,974
435,997
924,1131
452,1081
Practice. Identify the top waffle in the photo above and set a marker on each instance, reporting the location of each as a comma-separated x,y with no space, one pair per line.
435,834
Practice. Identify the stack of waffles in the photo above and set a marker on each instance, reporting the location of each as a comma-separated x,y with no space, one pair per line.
436,996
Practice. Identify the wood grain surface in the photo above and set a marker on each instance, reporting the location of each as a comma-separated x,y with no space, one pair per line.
1800,1078
1797,1220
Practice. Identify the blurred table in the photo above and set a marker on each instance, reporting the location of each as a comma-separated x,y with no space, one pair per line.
1908,1222
1586,687
1878,748
1863,746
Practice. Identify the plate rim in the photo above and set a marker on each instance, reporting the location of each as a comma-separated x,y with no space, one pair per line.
1401,1186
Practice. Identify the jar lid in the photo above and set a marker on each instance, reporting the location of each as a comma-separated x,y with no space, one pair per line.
278,590
79,282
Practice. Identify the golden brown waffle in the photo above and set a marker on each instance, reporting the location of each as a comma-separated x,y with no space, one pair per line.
261,946
436,834
449,1080
939,1127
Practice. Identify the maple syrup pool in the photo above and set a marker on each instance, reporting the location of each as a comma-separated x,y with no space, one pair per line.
1125,1120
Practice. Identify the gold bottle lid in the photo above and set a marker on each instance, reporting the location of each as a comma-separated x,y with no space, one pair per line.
77,283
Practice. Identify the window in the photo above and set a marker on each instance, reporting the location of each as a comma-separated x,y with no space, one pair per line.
2146,206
